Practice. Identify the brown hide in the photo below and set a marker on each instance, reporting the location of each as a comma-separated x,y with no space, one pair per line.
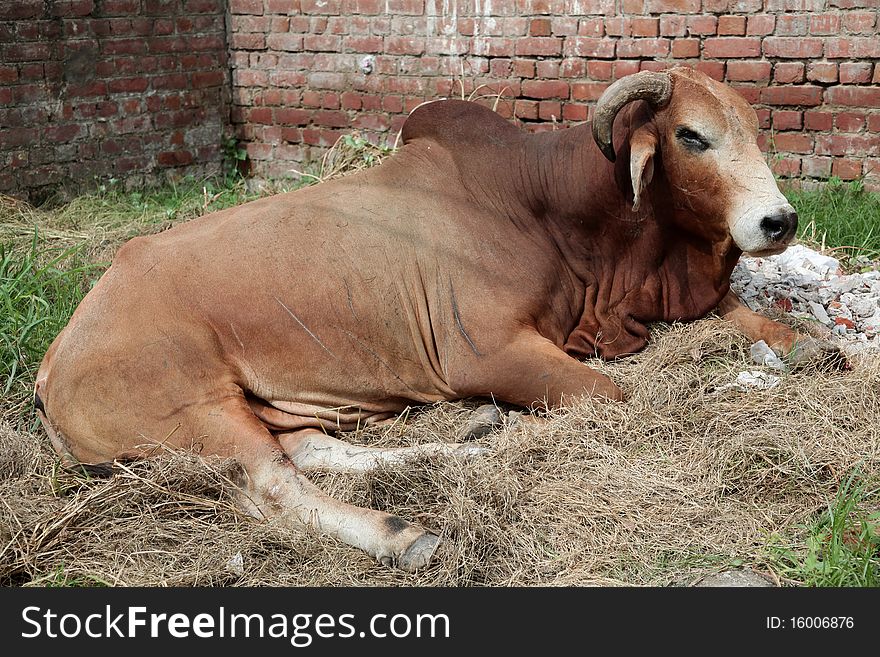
478,260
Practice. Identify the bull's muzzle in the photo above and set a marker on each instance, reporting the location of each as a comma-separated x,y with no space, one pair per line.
781,226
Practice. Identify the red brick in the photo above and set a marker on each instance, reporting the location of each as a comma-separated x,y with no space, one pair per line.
853,96
405,7
816,167
855,72
591,27
714,70
128,85
787,120
824,24
685,48
847,169
793,142
600,70
731,25
547,68
788,72
628,48
702,25
792,25
573,112
246,6
526,109
849,121
493,47
848,144
396,45
860,22
393,104
321,7
787,167
673,6
539,27
590,91
852,47
673,26
205,6
748,71
545,89
645,27
589,47
8,74
260,115
874,122
751,94
539,46
549,110
763,115
820,121
732,47
761,25
792,47
792,95
619,26
21,9
523,68
822,72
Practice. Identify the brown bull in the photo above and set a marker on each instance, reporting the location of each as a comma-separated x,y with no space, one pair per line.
476,261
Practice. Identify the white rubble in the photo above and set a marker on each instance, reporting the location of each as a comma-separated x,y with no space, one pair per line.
752,380
764,355
810,285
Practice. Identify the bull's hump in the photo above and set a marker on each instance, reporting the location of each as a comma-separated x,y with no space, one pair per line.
457,123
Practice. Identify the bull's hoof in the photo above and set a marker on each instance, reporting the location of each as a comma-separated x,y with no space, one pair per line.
819,353
419,553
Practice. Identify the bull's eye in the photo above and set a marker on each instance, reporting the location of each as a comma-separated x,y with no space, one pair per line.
691,139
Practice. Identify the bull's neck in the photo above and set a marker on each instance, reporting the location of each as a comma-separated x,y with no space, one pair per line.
650,265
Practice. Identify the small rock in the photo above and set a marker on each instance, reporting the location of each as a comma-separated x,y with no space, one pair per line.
737,578
843,321
235,564
482,421
799,256
819,312
783,304
762,354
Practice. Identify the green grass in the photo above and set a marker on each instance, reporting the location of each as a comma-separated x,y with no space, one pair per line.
39,290
842,547
840,216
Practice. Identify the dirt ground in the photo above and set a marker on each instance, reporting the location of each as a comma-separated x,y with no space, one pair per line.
689,476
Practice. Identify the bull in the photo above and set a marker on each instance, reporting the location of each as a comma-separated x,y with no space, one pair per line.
476,261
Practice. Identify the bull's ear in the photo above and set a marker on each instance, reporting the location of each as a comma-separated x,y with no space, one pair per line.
642,146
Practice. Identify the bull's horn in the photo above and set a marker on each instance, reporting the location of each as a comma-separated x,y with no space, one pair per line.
647,85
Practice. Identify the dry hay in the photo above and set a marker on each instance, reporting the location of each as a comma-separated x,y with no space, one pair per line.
682,478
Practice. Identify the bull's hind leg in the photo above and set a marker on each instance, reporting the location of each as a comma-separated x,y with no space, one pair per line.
275,486
310,449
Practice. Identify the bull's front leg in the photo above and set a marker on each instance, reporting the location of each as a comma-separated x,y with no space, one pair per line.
532,372
792,345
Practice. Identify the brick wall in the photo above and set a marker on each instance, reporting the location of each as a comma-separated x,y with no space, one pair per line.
304,71
109,88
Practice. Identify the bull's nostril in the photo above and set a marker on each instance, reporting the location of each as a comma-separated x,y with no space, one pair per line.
780,225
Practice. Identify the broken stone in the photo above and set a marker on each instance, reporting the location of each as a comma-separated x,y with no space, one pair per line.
819,312
738,578
762,354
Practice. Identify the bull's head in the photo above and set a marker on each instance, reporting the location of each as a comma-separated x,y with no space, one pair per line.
706,134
